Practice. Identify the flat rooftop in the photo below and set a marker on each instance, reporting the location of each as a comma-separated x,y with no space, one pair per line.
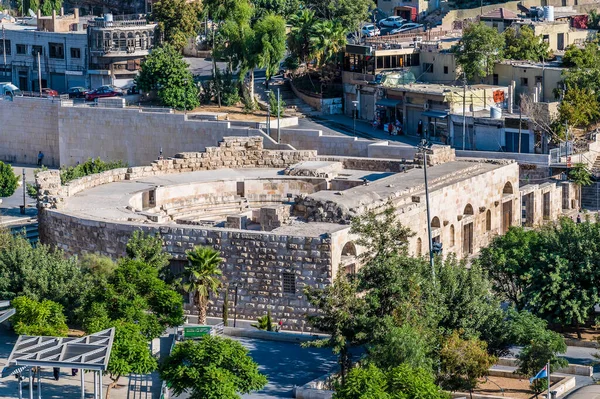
402,185
436,89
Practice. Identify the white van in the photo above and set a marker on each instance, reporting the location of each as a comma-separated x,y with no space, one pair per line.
9,90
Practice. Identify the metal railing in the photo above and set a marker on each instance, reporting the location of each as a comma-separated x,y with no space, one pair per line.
218,329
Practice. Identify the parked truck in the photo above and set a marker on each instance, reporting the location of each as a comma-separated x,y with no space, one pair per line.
9,90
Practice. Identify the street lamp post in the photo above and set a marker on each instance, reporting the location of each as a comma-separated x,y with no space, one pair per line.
424,147
354,110
235,304
268,92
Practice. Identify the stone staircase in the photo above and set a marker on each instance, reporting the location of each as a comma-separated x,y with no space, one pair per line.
294,106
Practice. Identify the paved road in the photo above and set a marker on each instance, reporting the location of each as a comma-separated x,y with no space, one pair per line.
589,392
9,208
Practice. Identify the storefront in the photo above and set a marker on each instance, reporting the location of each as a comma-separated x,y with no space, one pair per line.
437,126
386,111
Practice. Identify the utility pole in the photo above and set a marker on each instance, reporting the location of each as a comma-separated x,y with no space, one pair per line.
268,93
24,191
464,110
4,47
424,147
520,120
39,73
215,65
278,119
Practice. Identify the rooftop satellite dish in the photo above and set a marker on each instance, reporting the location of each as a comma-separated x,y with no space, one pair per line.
32,14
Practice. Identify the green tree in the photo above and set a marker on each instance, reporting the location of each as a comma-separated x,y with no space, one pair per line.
581,57
264,323
339,314
97,266
463,362
148,248
178,20
269,43
327,41
523,44
348,12
507,261
38,318
534,356
579,107
298,41
165,71
406,382
580,175
276,106
479,49
133,293
366,382
8,180
564,288
381,235
593,20
402,344
211,368
130,353
201,277
39,273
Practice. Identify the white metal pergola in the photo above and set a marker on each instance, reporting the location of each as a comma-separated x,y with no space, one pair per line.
5,311
91,352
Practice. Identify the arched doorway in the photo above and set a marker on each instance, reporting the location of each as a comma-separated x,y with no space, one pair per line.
507,207
468,230
348,261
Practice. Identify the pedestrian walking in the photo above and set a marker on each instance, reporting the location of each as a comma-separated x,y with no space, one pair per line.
390,128
420,127
40,158
578,219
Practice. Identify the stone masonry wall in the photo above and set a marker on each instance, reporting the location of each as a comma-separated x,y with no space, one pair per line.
254,260
232,152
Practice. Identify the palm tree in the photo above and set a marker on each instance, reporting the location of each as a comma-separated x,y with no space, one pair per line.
327,41
302,25
201,277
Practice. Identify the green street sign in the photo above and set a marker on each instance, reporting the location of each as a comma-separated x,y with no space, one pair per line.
196,332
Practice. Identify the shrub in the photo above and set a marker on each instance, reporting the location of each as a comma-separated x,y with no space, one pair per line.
89,167
8,180
264,323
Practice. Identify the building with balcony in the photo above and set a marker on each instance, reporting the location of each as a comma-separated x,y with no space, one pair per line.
52,49
117,48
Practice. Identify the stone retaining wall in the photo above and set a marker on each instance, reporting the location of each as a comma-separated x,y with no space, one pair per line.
254,260
232,152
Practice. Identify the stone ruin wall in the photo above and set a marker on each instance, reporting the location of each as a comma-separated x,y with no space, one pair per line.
254,260
232,152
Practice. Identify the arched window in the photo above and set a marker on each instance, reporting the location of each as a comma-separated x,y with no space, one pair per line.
508,188
435,222
349,249
123,42
419,247
115,41
468,210
451,235
144,41
138,40
488,220
130,40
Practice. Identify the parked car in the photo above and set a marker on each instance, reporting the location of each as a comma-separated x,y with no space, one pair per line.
370,30
103,91
77,92
410,27
392,22
49,92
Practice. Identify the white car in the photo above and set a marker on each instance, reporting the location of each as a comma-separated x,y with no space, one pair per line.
407,28
370,30
392,22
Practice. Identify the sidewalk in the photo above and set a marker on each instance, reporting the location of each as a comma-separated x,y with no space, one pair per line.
363,129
